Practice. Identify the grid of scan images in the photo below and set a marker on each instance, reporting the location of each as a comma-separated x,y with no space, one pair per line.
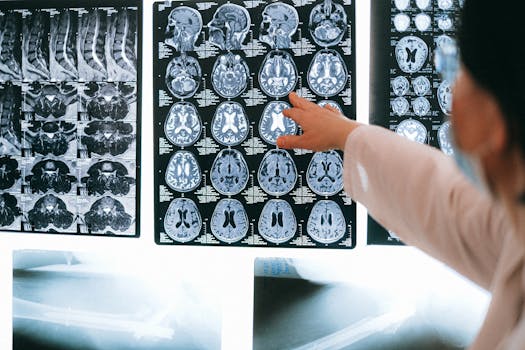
69,117
222,75
412,100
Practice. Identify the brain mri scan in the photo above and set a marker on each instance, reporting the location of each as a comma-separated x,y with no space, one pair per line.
332,104
51,175
413,130
444,95
107,212
411,54
421,85
108,176
277,173
222,74
400,86
326,223
183,76
327,74
274,124
445,4
183,124
401,22
423,4
229,126
9,209
445,139
421,106
277,222
402,5
183,29
279,24
423,22
229,27
400,106
230,75
325,173
328,23
50,210
229,222
278,74
229,173
182,221
445,22
183,173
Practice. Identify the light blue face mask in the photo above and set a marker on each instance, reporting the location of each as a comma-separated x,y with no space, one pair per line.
446,61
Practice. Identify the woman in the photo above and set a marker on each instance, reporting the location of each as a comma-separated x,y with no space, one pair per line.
420,194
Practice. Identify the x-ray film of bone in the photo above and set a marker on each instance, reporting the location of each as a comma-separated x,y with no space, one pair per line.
222,76
409,96
69,117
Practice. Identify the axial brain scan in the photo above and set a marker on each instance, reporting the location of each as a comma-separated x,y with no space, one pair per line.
278,74
183,173
182,221
421,85
444,138
327,23
277,222
411,54
325,173
400,106
413,130
183,125
274,124
327,74
277,173
183,29
278,25
229,27
326,223
400,85
230,124
229,172
183,76
421,106
230,75
229,222
444,95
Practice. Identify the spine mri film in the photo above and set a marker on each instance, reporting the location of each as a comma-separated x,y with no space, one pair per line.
69,116
408,95
222,76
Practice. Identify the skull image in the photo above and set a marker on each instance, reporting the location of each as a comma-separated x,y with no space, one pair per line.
229,27
327,23
279,24
184,26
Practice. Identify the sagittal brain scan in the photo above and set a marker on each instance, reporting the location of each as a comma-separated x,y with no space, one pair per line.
229,172
327,74
413,130
182,221
327,23
411,54
230,124
325,173
229,222
277,173
183,29
409,96
278,74
70,98
230,75
229,27
326,223
183,76
274,124
279,24
222,74
183,124
277,222
183,173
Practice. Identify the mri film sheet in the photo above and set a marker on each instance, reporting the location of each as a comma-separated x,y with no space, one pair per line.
222,76
408,95
69,117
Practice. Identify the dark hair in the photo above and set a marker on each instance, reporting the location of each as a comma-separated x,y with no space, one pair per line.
491,41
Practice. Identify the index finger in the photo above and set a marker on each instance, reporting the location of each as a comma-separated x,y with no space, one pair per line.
299,102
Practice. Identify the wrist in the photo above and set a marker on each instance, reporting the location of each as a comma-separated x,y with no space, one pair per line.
345,131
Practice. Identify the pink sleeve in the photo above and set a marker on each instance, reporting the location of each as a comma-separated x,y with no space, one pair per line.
417,192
